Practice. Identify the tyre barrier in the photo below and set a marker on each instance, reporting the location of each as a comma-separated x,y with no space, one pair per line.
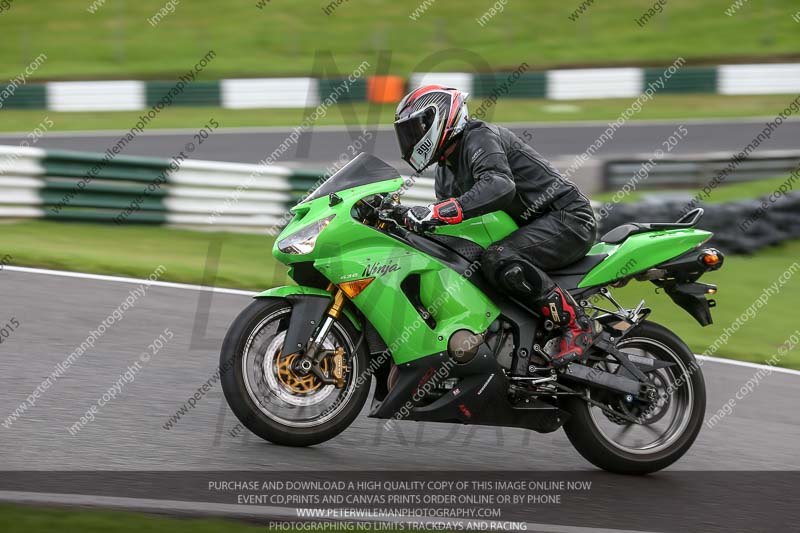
740,227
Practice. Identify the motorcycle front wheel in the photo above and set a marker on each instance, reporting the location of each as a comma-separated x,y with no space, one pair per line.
273,401
664,431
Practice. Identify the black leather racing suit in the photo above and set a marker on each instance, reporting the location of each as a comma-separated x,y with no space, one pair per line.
492,169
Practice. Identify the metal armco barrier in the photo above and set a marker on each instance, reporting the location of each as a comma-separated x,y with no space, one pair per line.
695,172
65,185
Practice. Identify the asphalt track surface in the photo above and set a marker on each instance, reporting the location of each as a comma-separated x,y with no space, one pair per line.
321,146
57,312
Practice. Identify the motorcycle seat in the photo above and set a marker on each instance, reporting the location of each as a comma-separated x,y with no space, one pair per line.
620,233
581,266
570,276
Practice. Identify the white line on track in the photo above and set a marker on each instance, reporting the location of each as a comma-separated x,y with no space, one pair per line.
245,511
747,364
185,286
120,279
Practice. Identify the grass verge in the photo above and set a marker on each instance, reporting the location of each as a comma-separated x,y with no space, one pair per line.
662,107
246,262
726,193
294,38
26,519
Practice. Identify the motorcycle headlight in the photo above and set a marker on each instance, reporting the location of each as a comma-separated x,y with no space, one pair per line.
303,241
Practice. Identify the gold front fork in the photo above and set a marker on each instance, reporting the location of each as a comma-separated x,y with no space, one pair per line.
335,311
338,303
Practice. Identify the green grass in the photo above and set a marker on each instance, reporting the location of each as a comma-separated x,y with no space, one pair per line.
723,193
667,107
288,37
246,262
25,519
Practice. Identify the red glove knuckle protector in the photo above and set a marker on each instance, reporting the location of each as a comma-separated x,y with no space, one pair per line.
448,211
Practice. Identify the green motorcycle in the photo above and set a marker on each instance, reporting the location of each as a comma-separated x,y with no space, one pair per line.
412,312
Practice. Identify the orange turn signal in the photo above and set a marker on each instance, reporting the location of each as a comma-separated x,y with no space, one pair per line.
354,288
710,259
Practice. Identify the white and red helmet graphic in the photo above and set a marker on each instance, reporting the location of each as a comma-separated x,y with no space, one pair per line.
426,120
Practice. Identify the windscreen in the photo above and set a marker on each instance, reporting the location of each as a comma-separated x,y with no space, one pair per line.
363,169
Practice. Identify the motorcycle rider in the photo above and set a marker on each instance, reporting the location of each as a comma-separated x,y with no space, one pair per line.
484,167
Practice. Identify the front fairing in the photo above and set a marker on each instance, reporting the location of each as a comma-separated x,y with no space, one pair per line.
347,250
342,231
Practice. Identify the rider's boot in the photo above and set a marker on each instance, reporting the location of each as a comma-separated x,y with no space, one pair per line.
578,330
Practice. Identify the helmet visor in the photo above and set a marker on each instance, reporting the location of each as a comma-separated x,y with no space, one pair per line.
412,129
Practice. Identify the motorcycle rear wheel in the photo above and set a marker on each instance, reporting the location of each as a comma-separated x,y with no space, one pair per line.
591,429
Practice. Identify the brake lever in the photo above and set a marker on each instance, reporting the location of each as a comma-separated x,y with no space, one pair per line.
386,215
388,199
387,209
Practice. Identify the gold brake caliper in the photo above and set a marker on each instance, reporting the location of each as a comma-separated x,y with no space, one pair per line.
338,367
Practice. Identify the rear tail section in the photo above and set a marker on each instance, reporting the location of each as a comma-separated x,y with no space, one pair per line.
634,248
667,254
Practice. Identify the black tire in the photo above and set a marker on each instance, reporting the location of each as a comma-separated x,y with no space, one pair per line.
245,408
590,442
